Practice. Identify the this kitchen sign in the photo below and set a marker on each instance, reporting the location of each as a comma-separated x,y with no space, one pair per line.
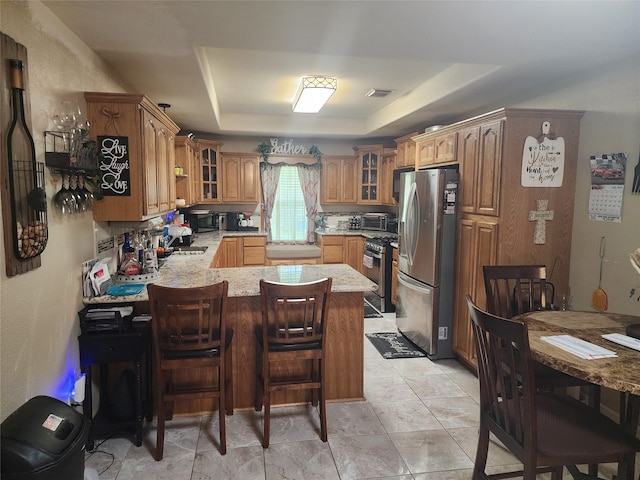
543,160
114,166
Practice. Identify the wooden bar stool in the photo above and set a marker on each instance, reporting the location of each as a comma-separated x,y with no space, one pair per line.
292,332
189,332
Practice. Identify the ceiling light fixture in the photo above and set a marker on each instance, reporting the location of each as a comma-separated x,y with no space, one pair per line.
313,93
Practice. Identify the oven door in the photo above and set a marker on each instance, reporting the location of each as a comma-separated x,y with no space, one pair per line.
374,269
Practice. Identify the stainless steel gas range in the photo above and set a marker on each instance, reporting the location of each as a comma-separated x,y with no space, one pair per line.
377,268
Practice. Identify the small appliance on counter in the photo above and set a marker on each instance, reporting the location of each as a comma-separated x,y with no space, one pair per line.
376,221
240,222
201,220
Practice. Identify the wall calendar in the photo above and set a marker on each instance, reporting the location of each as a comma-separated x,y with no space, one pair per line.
607,186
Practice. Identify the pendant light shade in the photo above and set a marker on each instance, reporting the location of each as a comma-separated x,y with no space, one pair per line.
313,93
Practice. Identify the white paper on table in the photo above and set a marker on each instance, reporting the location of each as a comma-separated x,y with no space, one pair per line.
624,340
579,347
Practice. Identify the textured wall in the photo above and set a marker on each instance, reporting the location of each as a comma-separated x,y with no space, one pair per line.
610,125
38,310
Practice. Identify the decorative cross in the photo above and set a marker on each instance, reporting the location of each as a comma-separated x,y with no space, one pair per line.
540,216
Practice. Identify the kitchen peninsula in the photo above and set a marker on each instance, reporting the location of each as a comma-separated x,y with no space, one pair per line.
345,326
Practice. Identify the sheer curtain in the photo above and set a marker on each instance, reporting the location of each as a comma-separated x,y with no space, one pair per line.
309,182
269,175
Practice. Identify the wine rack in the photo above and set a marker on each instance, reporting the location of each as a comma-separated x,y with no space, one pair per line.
64,154
29,208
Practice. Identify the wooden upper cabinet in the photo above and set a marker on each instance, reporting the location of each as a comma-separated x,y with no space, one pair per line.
435,148
339,180
210,172
425,151
241,178
480,154
369,163
489,168
188,157
388,165
165,153
149,134
445,147
406,151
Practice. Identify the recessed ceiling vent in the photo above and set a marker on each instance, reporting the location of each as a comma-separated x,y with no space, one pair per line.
378,92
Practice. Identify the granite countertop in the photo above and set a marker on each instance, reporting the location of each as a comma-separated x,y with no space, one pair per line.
619,373
362,233
192,270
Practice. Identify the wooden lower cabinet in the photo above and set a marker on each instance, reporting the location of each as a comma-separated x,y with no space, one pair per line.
354,251
477,241
332,248
254,250
230,251
292,261
240,252
344,358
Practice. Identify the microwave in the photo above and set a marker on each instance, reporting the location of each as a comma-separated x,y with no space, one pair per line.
376,221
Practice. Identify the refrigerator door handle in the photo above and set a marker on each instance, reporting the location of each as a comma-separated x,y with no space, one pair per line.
412,285
412,222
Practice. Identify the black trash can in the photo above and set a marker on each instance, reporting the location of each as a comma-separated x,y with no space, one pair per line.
44,439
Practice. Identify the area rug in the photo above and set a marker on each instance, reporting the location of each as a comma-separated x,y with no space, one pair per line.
394,345
370,311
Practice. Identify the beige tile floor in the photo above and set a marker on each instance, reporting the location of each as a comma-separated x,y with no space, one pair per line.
419,421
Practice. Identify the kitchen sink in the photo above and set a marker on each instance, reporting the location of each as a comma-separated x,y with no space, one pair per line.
190,250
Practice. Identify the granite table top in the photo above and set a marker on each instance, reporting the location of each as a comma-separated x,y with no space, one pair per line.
620,373
192,270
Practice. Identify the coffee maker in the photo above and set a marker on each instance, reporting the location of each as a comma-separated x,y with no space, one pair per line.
240,222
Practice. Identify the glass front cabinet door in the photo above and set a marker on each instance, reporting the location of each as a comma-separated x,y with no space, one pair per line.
210,162
370,157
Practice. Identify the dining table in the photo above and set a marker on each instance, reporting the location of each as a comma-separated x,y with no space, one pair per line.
620,372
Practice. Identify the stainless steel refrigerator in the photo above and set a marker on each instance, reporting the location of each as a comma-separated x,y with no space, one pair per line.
426,259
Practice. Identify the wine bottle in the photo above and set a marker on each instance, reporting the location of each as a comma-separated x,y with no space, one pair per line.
27,199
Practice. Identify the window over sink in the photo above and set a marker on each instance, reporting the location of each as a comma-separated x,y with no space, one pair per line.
289,218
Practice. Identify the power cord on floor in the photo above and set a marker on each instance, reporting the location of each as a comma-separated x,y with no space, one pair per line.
89,454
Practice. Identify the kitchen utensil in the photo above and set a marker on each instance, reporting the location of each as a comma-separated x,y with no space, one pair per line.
635,185
599,299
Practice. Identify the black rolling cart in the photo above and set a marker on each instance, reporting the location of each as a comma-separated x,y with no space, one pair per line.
125,341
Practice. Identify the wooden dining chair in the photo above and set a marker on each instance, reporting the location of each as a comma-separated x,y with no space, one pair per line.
515,289
290,345
543,431
190,334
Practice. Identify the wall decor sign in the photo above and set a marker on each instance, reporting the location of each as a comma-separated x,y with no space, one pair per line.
607,186
541,215
287,147
543,160
115,172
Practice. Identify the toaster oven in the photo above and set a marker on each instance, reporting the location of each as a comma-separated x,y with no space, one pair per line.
375,221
